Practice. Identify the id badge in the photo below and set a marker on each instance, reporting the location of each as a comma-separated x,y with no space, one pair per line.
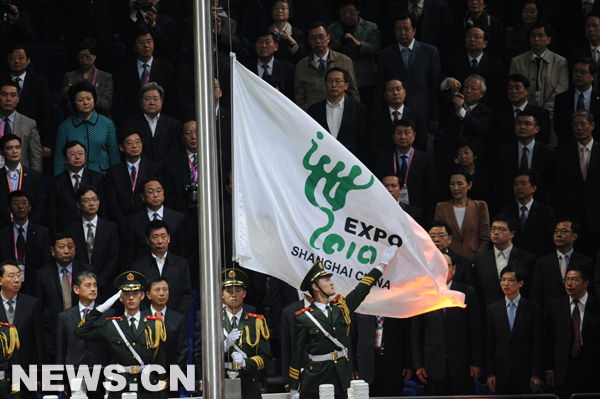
538,97
22,268
378,337
404,195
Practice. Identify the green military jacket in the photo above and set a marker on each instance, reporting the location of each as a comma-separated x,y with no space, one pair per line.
254,342
147,342
9,340
309,337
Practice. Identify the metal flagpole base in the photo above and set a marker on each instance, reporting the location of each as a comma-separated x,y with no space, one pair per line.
232,389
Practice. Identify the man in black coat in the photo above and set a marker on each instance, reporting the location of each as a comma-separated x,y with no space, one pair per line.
526,153
265,46
572,344
123,181
514,333
551,270
416,168
34,253
96,240
166,264
446,344
74,351
159,132
392,183
53,288
344,118
25,313
582,96
518,89
441,235
592,33
20,177
62,206
489,264
288,319
536,221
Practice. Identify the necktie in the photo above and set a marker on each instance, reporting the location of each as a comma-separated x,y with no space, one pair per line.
133,174
330,314
76,185
233,322
416,11
576,317
523,217
379,336
144,74
90,241
7,129
517,112
155,216
195,165
563,265
395,113
85,313
403,169
511,315
321,66
583,162
587,7
524,160
474,65
538,63
580,102
406,56
11,311
132,326
158,314
66,288
266,71
18,80
21,245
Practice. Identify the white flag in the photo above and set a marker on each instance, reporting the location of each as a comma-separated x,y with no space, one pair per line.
301,196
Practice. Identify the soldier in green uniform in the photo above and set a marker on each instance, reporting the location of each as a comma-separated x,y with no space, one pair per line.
9,341
246,345
135,341
322,330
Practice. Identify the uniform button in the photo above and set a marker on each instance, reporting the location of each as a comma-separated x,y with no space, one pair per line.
134,344
317,330
311,368
118,342
347,359
135,379
333,328
335,361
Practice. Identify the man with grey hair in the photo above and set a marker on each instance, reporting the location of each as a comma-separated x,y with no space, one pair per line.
578,178
159,133
71,350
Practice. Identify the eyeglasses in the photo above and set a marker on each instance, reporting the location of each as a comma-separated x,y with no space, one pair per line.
147,41
85,56
76,154
498,229
131,143
581,71
562,231
507,281
441,235
336,81
280,8
17,203
317,38
573,280
580,124
88,200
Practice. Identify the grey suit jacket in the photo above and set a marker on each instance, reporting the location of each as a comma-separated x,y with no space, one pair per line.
104,91
554,77
31,146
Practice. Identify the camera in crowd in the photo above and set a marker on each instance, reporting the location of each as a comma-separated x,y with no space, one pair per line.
191,191
138,5
5,7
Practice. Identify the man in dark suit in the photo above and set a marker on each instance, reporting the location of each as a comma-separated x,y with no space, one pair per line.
392,183
446,344
590,49
441,235
159,133
518,89
265,46
166,264
581,96
489,264
536,220
53,287
287,335
25,313
381,125
123,181
578,182
526,153
572,344
551,270
344,118
34,95
62,206
19,177
577,14
177,344
29,247
513,339
416,169
414,63
130,79
136,245
393,364
97,240
74,351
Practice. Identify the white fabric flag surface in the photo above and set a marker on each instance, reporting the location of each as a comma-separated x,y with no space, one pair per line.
301,196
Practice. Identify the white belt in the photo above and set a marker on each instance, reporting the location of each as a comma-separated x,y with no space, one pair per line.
335,355
134,369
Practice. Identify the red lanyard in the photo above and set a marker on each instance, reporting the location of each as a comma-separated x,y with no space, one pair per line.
408,166
135,180
93,80
20,179
193,169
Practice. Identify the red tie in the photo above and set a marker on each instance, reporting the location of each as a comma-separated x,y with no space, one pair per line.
395,113
158,314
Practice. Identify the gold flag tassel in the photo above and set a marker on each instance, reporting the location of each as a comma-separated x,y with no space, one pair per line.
160,335
341,302
9,348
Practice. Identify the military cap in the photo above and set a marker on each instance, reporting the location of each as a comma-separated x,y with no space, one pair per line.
316,271
234,277
130,281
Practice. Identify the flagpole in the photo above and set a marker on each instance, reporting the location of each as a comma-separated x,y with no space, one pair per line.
208,204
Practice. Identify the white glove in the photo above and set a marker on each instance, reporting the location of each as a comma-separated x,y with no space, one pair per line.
107,305
388,255
233,336
294,394
237,357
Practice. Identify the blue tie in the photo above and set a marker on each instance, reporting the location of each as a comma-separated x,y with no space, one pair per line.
580,102
155,216
403,169
195,165
18,80
511,315
406,56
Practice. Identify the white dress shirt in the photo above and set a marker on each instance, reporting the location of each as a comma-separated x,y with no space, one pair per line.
152,123
160,262
529,153
137,316
72,174
94,223
159,212
334,116
502,258
141,67
260,69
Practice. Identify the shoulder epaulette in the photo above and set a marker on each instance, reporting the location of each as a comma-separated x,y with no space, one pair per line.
256,316
6,325
154,318
337,297
302,310
114,318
